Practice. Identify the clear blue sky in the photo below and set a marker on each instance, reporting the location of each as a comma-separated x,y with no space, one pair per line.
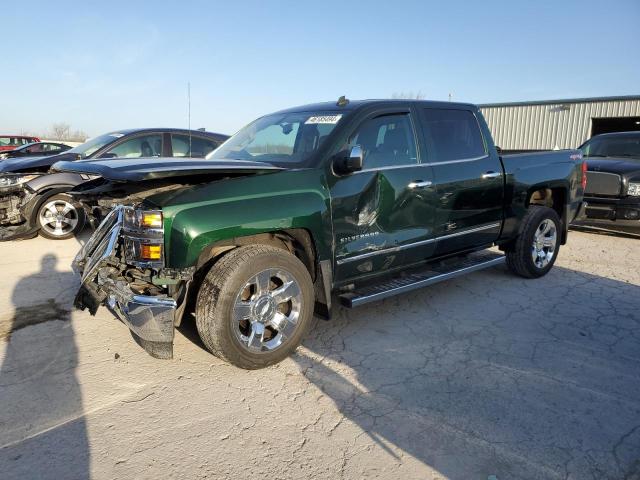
102,66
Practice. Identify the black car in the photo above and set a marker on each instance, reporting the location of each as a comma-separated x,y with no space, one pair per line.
33,200
36,149
612,195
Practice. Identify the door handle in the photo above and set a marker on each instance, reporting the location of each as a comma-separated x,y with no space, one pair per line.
420,184
491,175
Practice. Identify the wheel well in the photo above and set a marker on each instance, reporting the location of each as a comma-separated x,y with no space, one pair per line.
553,198
549,197
41,197
296,241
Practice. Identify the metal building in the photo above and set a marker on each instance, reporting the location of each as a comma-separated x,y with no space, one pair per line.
545,125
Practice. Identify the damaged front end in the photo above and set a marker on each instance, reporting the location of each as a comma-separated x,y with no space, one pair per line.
98,197
121,266
15,198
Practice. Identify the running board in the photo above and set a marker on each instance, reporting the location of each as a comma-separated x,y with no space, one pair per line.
432,274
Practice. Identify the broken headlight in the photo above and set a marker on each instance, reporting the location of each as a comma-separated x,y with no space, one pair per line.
15,179
633,189
143,235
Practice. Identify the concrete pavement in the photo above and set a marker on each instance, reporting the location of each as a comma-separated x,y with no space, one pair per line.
486,375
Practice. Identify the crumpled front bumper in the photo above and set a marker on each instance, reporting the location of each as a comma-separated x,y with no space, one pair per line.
11,199
150,318
13,223
17,232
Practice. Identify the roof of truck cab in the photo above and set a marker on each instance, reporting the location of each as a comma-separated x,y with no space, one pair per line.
358,104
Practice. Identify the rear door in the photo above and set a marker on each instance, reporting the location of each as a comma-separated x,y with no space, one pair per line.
469,181
194,146
51,148
381,219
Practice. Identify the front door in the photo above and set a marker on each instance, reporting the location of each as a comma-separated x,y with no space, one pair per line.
381,217
145,145
469,183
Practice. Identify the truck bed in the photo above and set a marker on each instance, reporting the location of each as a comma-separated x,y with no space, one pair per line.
528,172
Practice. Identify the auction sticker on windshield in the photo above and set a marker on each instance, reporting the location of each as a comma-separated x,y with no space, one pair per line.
331,119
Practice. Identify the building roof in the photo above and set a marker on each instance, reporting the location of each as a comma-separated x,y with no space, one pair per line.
563,100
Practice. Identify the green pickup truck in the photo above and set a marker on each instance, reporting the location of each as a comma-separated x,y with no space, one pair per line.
349,201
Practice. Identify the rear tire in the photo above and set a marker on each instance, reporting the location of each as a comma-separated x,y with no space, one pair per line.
60,217
255,306
537,246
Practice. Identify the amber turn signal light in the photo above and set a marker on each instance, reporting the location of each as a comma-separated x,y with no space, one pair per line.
151,252
152,219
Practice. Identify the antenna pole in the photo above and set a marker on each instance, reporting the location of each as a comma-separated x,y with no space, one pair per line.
189,113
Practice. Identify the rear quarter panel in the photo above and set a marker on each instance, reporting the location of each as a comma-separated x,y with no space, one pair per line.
204,215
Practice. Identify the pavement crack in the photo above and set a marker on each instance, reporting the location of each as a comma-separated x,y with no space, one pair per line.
136,400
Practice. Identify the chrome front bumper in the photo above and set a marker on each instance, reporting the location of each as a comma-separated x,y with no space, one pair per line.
150,318
610,213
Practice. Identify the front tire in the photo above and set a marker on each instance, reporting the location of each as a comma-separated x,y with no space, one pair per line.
60,217
537,246
255,306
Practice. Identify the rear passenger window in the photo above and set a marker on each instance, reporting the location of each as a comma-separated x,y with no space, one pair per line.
386,141
452,135
200,147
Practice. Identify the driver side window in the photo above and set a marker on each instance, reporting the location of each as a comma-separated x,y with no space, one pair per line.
386,141
36,148
142,146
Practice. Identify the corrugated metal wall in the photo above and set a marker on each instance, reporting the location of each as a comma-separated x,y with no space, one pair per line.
545,125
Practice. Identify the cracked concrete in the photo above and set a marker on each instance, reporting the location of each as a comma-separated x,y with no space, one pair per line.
486,376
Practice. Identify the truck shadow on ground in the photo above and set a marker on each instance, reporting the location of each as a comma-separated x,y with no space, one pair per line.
39,391
492,375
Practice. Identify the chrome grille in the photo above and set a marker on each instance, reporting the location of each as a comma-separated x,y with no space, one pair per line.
603,183
101,244
104,249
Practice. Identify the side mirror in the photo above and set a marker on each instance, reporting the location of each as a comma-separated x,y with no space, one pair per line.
108,155
350,163
78,156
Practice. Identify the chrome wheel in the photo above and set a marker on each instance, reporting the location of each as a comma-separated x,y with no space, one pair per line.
266,310
58,218
544,243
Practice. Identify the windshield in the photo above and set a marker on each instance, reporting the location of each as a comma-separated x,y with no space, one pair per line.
286,139
94,144
622,146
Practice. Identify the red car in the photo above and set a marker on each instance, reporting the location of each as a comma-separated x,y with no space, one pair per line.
9,142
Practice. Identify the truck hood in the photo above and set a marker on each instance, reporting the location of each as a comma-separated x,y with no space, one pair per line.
142,169
621,166
32,164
